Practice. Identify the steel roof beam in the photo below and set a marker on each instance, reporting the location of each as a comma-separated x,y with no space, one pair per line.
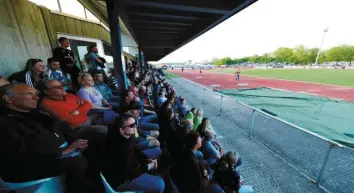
161,28
163,16
162,23
177,6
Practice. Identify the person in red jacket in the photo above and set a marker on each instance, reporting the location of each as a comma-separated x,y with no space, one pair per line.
69,109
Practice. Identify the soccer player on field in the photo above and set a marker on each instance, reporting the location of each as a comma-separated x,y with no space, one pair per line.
237,74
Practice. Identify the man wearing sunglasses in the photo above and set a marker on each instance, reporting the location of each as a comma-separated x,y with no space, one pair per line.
70,109
125,166
146,140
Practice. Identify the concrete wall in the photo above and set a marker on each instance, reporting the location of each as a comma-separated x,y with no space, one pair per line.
30,31
23,35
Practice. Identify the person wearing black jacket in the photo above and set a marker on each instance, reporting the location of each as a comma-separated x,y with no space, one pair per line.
124,165
31,147
188,173
67,60
31,74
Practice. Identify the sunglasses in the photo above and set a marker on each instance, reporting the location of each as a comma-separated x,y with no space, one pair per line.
130,126
57,87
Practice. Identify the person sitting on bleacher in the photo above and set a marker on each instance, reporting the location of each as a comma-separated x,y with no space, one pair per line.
190,114
104,89
161,99
149,90
54,72
112,80
70,109
89,93
198,119
151,114
168,127
210,152
187,172
31,146
127,97
226,177
145,139
182,107
125,167
32,73
143,95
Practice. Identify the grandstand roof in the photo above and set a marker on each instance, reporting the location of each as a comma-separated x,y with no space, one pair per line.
161,26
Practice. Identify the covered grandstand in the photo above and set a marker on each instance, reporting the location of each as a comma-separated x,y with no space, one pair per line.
148,30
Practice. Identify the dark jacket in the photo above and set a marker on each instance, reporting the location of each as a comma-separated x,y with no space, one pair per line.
27,139
66,56
122,160
187,173
23,77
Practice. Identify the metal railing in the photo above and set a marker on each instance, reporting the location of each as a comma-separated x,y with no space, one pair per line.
311,154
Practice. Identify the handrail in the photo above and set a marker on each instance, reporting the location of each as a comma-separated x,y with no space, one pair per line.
281,120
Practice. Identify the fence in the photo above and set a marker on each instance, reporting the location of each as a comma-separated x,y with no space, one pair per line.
325,162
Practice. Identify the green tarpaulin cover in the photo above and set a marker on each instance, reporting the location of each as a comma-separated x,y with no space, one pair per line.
329,118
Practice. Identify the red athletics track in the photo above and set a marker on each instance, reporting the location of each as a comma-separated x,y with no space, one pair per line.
227,81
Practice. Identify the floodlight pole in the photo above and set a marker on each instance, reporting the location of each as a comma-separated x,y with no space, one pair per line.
323,38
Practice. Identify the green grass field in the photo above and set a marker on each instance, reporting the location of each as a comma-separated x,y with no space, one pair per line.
170,75
324,76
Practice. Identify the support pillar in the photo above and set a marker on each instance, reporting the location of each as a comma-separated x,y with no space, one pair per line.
116,39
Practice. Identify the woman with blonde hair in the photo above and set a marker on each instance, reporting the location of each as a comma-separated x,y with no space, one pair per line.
99,105
89,93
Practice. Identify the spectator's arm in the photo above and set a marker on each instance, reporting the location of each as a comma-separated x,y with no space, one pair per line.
93,56
84,108
148,111
64,116
13,147
214,152
143,167
109,90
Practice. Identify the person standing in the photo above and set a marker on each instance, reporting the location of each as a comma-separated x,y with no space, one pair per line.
237,74
67,60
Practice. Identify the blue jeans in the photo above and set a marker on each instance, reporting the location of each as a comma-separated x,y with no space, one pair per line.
142,143
149,127
213,187
199,155
153,153
148,118
146,183
146,125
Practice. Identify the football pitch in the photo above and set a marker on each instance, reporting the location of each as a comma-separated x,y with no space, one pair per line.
324,76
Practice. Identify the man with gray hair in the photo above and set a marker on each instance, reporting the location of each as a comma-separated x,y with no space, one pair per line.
70,109
31,146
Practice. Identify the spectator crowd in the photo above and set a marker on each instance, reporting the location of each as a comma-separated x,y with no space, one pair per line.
64,121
